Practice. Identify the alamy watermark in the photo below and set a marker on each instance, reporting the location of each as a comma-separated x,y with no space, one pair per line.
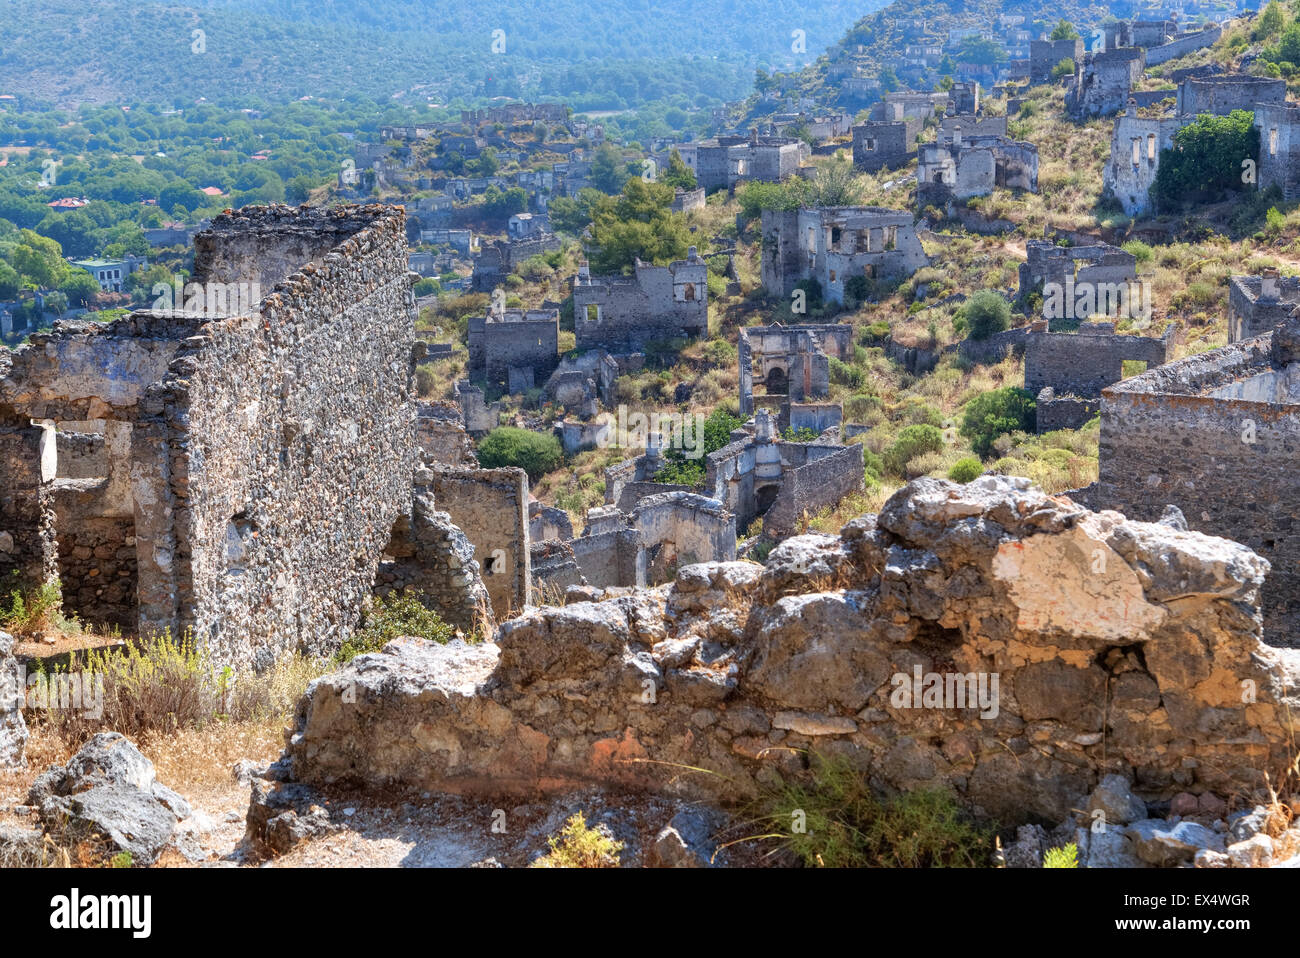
213,300
674,430
946,690
1071,300
64,691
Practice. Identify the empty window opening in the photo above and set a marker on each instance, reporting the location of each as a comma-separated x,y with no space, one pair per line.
1272,141
1151,147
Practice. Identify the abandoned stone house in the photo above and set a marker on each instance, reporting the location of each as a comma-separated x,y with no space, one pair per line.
1215,434
1256,304
1068,371
1070,268
233,474
1102,83
514,348
970,158
907,104
494,261
964,98
1137,140
722,162
760,476
886,144
790,363
835,245
623,313
1046,54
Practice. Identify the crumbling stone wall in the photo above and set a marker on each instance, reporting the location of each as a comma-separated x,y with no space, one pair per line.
429,556
1135,147
273,459
682,528
1216,435
1072,266
959,166
656,302
1084,363
1258,303
491,507
1103,83
825,475
609,552
27,541
1184,45
1103,645
1279,148
1220,95
554,567
1045,54
514,347
885,144
441,436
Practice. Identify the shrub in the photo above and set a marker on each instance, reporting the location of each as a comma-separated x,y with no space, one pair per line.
912,441
843,374
802,434
995,413
1141,251
580,846
1206,157
1067,857
1063,69
837,821
533,452
966,470
984,314
395,616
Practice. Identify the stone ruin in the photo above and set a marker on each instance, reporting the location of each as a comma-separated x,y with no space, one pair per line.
989,639
760,476
1072,267
1137,141
792,363
1044,55
1068,371
1103,82
834,245
514,349
724,161
970,158
623,313
1216,436
1256,304
885,144
231,472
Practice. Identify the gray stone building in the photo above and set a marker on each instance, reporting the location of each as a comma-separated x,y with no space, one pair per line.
724,161
970,157
792,363
1256,304
514,348
1102,83
655,302
832,245
885,144
1046,54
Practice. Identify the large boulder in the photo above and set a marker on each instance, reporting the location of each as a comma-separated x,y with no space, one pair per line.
109,791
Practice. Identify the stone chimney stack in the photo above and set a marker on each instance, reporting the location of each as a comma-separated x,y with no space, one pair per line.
1268,285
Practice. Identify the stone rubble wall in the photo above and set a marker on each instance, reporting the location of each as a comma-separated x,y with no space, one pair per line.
1119,647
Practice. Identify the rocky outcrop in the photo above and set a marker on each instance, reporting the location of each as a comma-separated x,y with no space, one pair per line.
13,730
1006,644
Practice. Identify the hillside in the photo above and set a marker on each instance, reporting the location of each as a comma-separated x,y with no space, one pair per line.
608,56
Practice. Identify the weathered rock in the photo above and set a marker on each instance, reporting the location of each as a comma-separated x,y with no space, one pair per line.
283,815
1114,798
1161,843
13,730
109,790
21,847
1028,848
1254,852
1108,848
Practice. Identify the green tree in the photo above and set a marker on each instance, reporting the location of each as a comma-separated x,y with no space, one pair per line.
679,175
533,452
1064,30
980,50
608,171
1063,69
1207,157
995,413
80,287
984,314
1270,22
639,224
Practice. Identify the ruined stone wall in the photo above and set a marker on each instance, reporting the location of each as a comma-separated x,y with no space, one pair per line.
491,507
1045,54
1279,148
1086,362
272,461
612,558
884,145
657,302
1063,412
1135,147
97,555
1227,463
829,474
1252,312
555,568
1102,84
442,438
681,528
1087,644
429,556
27,544
525,340
1184,45
1220,95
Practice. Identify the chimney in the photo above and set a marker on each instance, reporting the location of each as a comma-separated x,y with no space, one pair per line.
584,274
1268,284
692,254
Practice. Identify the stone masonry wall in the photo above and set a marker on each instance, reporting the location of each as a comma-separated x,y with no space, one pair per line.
818,484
